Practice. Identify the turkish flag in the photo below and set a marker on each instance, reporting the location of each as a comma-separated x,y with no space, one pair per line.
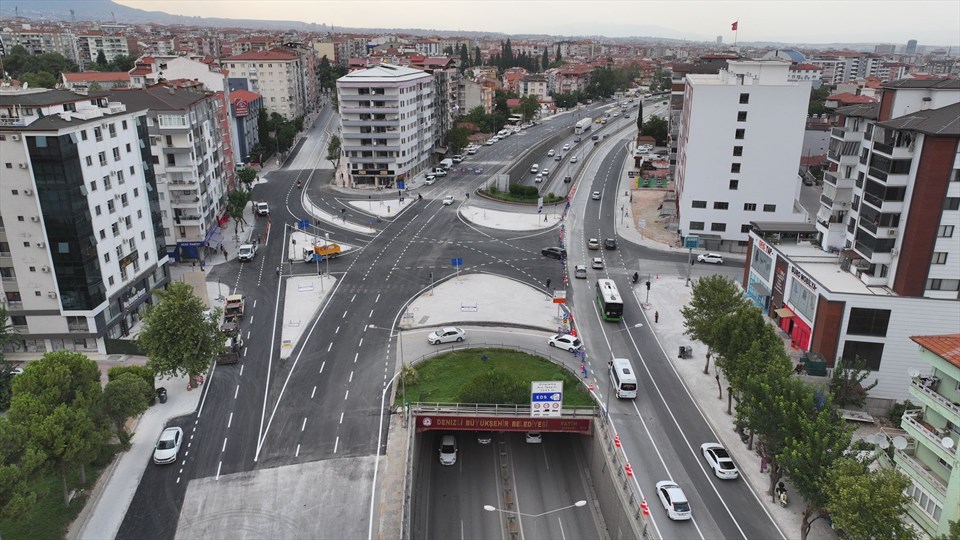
733,26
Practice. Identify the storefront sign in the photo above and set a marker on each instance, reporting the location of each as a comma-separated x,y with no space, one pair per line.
803,278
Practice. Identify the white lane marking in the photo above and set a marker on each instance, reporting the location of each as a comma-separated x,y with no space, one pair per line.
219,464
241,368
330,346
337,331
377,299
346,395
229,420
314,392
351,377
236,391
360,344
370,315
344,314
297,453
341,417
336,443
321,365
304,424
563,535
355,356
224,447
352,298
251,319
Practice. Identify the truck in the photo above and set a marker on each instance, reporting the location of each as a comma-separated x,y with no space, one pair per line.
582,126
321,251
446,163
233,343
233,310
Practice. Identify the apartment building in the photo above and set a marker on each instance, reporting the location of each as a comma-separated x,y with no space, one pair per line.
81,245
926,448
740,137
187,154
89,45
278,75
534,85
40,41
246,109
386,124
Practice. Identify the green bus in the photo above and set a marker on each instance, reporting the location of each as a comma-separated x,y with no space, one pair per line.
609,301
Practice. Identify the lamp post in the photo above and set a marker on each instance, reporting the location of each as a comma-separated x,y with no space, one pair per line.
578,504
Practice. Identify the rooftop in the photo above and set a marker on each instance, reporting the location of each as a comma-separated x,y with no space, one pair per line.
945,346
383,72
97,76
158,98
277,55
869,111
944,121
953,84
44,97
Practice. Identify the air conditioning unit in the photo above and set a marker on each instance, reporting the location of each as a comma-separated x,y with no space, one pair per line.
52,294
41,245
15,137
35,219
44,268
894,252
892,232
28,192
22,165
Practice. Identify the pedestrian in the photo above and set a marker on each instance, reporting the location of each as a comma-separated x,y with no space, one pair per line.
278,270
224,253
548,283
656,316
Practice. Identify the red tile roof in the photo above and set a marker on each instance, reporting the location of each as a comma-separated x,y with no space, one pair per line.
97,76
244,95
945,346
806,67
851,99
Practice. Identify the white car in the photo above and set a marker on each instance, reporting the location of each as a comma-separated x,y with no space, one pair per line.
559,157
545,171
720,461
597,263
712,258
471,151
539,178
430,180
566,147
168,446
448,334
595,196
565,342
484,437
551,152
573,159
673,500
448,200
593,243
247,252
458,158
534,437
448,450
489,142
580,271
263,209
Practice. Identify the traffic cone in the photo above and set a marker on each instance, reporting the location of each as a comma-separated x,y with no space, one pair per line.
616,442
629,470
645,508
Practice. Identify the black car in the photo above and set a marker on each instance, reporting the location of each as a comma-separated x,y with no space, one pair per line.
610,243
554,252
595,138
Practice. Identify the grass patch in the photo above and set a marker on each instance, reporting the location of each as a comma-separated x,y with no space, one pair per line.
440,378
525,198
49,518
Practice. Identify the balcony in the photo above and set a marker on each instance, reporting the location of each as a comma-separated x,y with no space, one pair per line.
918,470
179,168
173,122
924,388
929,435
181,202
188,219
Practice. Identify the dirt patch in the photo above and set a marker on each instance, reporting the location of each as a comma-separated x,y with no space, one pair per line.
647,204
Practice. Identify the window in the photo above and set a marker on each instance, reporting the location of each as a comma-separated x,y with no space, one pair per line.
871,353
89,161
868,322
106,182
769,208
113,130
116,153
97,209
742,116
699,204
734,167
925,502
696,225
721,205
97,134
129,148
718,227
745,228
110,280
939,257
93,186
744,98
106,257
124,124
740,133
83,134
103,158
951,203
734,184
945,231
737,151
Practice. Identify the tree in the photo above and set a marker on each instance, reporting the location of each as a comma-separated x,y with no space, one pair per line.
713,298
846,383
101,60
123,398
7,334
247,175
640,117
177,337
19,61
18,463
464,57
557,59
41,79
545,61
477,58
236,202
122,62
529,107
333,151
867,504
818,98
457,138
657,128
286,135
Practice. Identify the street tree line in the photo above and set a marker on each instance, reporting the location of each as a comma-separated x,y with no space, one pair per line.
796,424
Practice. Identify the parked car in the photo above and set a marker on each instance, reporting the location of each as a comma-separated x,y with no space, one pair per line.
720,461
439,171
554,252
471,151
168,446
610,243
263,209
534,437
565,342
597,263
712,258
593,243
448,334
595,196
247,252
457,158
673,500
448,450
430,180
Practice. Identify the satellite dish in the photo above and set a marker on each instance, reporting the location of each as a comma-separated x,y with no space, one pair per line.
946,442
913,372
899,442
884,442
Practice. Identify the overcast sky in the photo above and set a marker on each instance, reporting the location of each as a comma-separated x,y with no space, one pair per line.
930,22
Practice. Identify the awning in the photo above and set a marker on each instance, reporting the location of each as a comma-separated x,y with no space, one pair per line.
784,312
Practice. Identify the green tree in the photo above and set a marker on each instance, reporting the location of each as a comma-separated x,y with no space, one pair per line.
545,61
953,532
640,117
529,107
746,345
333,151
18,464
846,383
458,139
122,62
769,407
557,59
177,337
19,61
657,128
40,79
123,398
867,504
477,58
714,297
464,57
818,98
237,201
329,73
7,334
101,60
247,175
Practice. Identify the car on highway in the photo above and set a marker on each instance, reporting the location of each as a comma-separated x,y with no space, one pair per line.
567,179
610,243
263,209
534,437
711,258
545,171
247,252
720,461
593,243
448,200
577,139
484,437
566,147
595,138
535,168
430,180
673,500
458,158
565,342
539,178
573,159
551,152
448,450
558,157
447,334
597,263
554,252
580,271
595,196
168,446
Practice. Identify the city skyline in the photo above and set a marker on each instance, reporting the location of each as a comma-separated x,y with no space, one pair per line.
789,21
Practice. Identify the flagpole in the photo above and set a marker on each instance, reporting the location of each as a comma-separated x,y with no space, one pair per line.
736,31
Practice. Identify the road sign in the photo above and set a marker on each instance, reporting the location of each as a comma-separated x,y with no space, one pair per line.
456,262
401,184
691,241
303,224
559,297
546,398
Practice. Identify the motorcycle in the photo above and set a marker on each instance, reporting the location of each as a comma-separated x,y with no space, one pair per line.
636,277
299,184
781,492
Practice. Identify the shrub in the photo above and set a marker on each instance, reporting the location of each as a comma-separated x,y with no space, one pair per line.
143,372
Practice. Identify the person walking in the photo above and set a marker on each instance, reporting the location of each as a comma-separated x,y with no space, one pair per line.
656,316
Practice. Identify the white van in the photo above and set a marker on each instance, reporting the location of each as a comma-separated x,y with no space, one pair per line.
446,163
535,168
623,377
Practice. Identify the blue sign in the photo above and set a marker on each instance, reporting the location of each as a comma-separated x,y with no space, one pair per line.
401,184
456,262
691,242
546,398
556,396
303,224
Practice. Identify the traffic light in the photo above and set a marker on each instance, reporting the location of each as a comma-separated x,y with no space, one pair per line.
648,285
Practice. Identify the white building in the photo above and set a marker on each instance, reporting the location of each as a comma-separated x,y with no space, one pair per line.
386,123
81,245
277,75
739,144
89,45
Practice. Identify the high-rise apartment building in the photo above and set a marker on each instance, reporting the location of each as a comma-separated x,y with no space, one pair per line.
277,75
911,47
90,44
740,137
81,243
386,123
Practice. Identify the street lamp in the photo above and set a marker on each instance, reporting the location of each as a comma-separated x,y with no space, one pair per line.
489,508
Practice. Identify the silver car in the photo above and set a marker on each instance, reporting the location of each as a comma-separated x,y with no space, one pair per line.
448,450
